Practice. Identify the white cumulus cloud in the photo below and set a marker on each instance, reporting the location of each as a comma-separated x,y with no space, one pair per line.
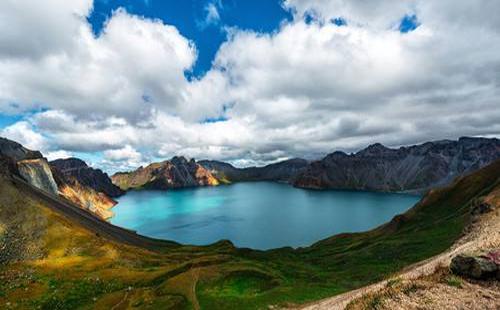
306,89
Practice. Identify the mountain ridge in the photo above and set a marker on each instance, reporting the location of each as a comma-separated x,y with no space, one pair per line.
414,168
177,172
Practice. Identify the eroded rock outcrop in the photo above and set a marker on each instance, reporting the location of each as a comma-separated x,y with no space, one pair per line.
77,169
175,173
413,168
98,203
72,178
37,172
30,165
89,188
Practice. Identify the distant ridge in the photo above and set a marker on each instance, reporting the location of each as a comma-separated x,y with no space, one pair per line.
281,171
414,168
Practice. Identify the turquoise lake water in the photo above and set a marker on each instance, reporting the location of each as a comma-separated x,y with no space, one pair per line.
259,215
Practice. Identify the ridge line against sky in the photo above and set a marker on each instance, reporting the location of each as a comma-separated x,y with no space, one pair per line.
124,83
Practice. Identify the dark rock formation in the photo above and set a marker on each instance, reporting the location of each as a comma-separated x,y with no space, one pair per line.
175,173
477,267
481,208
16,151
413,168
281,171
7,166
77,169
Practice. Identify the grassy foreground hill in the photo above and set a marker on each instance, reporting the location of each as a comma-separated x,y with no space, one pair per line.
53,260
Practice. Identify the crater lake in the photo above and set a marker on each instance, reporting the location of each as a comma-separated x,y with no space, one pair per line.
258,215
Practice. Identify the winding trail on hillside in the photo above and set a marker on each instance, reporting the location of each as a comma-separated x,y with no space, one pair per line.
92,222
482,234
418,270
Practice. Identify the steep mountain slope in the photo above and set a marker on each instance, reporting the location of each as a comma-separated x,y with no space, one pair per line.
86,197
59,258
281,171
77,169
75,181
88,187
28,164
175,173
414,168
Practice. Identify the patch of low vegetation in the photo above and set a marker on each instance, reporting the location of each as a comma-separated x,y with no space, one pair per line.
454,281
392,291
72,294
76,268
242,283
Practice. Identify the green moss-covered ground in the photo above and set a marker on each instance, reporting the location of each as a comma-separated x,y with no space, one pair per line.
69,267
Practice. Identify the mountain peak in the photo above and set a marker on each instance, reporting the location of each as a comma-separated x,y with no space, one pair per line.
374,149
69,163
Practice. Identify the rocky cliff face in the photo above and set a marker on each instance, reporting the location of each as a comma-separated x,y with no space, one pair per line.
77,169
72,178
30,165
98,203
175,173
37,173
282,171
414,168
89,188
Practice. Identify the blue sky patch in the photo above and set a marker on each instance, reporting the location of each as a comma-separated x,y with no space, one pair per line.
215,119
339,21
7,120
409,23
188,15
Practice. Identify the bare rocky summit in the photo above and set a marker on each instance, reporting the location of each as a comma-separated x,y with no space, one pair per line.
175,173
16,151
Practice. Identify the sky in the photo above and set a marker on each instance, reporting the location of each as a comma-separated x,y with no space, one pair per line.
121,83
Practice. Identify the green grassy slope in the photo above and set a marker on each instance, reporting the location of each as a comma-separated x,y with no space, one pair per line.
69,267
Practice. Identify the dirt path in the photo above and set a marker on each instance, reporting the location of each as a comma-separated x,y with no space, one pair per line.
195,274
426,267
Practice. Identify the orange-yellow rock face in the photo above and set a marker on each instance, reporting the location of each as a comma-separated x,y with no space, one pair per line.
204,177
89,199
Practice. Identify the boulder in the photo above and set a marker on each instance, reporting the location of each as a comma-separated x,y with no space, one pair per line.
481,208
476,267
